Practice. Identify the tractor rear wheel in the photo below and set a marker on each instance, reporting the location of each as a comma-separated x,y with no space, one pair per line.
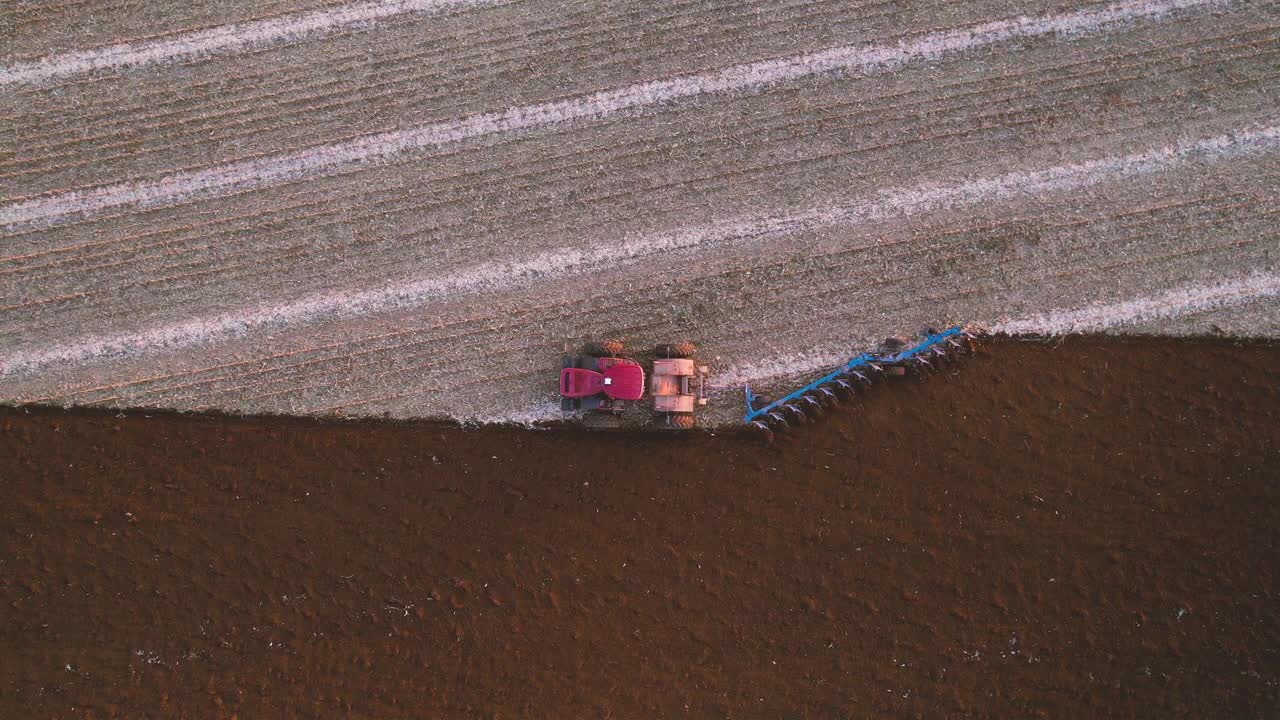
677,421
677,350
608,348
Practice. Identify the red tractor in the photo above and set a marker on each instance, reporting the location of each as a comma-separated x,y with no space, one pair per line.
601,381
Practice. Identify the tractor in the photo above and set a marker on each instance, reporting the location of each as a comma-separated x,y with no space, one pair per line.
600,382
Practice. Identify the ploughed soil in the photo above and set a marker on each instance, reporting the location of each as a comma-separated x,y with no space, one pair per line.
1086,528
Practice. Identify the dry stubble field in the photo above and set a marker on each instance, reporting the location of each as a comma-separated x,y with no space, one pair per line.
406,209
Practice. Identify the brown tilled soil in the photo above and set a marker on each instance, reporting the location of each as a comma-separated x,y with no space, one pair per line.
1084,529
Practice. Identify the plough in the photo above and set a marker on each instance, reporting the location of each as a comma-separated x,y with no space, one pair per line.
776,415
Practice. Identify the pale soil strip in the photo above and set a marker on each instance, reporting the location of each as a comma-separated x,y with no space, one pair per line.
745,78
651,150
1090,318
489,50
531,417
221,40
496,276
373,205
272,107
1172,304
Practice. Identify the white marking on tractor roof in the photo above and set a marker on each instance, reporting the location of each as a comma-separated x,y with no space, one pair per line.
1096,317
221,40
748,78
565,262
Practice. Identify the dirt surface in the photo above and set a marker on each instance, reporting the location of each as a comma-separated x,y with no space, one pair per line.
975,176
1080,529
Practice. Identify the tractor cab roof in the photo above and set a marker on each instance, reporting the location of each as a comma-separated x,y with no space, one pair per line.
619,379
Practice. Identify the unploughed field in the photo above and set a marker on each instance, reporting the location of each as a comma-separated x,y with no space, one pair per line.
408,213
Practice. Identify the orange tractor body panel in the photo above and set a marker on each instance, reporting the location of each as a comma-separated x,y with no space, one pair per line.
670,385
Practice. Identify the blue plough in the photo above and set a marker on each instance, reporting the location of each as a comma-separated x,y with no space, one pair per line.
824,390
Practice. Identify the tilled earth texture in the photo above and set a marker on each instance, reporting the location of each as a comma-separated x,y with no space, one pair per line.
1077,530
406,208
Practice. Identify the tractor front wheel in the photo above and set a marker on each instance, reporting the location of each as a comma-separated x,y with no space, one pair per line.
678,350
